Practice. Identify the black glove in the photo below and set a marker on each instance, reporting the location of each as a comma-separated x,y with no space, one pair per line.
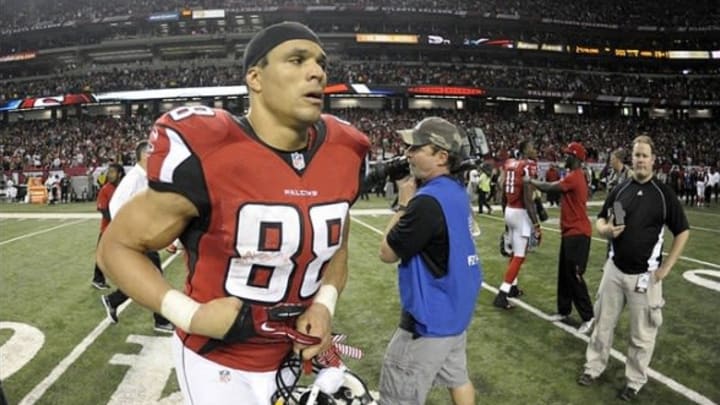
505,248
541,212
269,322
537,234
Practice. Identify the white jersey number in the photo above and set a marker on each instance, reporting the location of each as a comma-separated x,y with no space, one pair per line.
269,238
180,113
510,182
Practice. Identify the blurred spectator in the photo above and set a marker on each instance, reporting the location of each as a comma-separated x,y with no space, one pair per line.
198,73
37,14
97,141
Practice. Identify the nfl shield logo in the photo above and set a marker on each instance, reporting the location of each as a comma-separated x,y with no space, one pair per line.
298,160
224,376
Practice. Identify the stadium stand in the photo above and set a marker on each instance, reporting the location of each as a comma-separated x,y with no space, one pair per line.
22,14
526,57
697,86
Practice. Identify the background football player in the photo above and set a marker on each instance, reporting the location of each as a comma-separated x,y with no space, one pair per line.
520,217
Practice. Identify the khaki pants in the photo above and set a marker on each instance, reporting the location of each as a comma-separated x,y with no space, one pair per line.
412,366
616,289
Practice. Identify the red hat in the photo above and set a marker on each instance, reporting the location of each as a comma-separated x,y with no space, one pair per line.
576,149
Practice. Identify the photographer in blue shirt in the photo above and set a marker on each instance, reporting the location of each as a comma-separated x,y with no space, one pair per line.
439,274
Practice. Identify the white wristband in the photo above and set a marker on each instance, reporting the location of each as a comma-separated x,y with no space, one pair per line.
179,309
327,295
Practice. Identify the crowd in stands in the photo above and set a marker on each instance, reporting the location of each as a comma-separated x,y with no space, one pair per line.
33,13
676,86
681,142
77,142
460,34
90,142
199,74
97,141
122,79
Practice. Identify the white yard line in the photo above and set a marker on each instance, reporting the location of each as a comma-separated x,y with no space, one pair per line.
60,369
386,211
49,215
29,235
699,211
687,259
700,228
661,378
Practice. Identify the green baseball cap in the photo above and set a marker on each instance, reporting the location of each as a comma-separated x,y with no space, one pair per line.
434,130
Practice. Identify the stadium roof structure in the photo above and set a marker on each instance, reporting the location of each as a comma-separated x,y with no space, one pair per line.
342,90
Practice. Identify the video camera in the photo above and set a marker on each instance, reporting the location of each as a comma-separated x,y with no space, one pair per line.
395,168
398,167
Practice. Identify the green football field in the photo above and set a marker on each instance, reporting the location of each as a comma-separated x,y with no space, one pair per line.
56,346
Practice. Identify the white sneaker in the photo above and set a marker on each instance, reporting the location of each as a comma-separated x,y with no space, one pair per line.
586,326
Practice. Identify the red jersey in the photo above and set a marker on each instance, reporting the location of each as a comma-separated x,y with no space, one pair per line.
515,170
269,220
573,211
552,175
103,204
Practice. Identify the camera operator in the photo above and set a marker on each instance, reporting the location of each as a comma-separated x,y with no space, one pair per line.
439,272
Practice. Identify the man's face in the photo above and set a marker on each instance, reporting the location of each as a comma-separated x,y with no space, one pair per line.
530,151
291,85
642,160
614,162
144,155
426,162
112,175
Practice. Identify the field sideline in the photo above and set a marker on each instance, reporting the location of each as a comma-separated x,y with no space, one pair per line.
516,356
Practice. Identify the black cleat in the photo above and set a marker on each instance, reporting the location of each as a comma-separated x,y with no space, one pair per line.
628,394
502,302
109,309
515,292
586,379
164,327
100,285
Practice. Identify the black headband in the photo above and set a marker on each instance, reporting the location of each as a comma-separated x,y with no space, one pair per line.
272,36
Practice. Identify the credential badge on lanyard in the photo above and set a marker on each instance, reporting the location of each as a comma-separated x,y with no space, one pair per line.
642,283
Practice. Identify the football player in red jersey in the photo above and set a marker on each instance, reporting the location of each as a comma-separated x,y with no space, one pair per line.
260,204
520,217
115,173
575,242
